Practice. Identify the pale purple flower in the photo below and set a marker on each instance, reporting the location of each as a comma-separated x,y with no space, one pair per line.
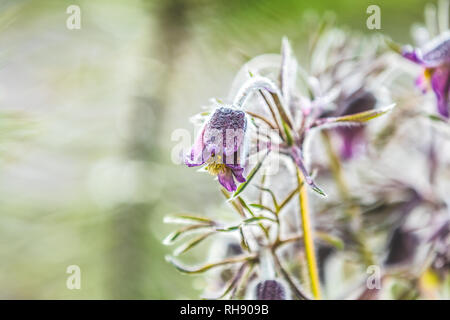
434,57
220,146
353,137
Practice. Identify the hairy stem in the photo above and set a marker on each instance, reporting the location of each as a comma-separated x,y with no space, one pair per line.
308,238
260,117
274,115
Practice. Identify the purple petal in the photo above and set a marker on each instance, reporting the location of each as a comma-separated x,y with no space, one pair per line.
193,164
434,54
196,157
440,82
352,139
412,55
437,53
226,180
238,173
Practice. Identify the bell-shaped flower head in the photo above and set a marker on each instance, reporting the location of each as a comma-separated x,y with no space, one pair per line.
220,146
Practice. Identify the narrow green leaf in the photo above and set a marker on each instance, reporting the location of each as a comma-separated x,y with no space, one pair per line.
359,117
272,194
288,198
184,219
171,238
244,204
246,222
189,245
435,117
253,219
318,190
262,207
232,283
232,228
244,243
287,131
280,109
257,205
206,267
235,205
250,176
330,239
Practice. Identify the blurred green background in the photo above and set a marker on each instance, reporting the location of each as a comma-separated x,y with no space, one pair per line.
86,118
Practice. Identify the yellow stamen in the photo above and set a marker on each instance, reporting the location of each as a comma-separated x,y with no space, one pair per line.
428,72
215,168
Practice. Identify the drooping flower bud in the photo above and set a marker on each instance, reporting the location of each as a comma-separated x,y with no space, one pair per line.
221,146
270,290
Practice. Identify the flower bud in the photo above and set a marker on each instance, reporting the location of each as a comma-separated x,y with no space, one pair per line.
270,290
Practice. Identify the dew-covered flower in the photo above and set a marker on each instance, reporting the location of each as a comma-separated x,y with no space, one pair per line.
434,57
220,146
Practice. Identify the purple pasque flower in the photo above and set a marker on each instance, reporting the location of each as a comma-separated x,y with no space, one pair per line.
434,57
220,146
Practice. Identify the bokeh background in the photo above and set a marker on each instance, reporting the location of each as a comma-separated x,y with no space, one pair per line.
86,118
